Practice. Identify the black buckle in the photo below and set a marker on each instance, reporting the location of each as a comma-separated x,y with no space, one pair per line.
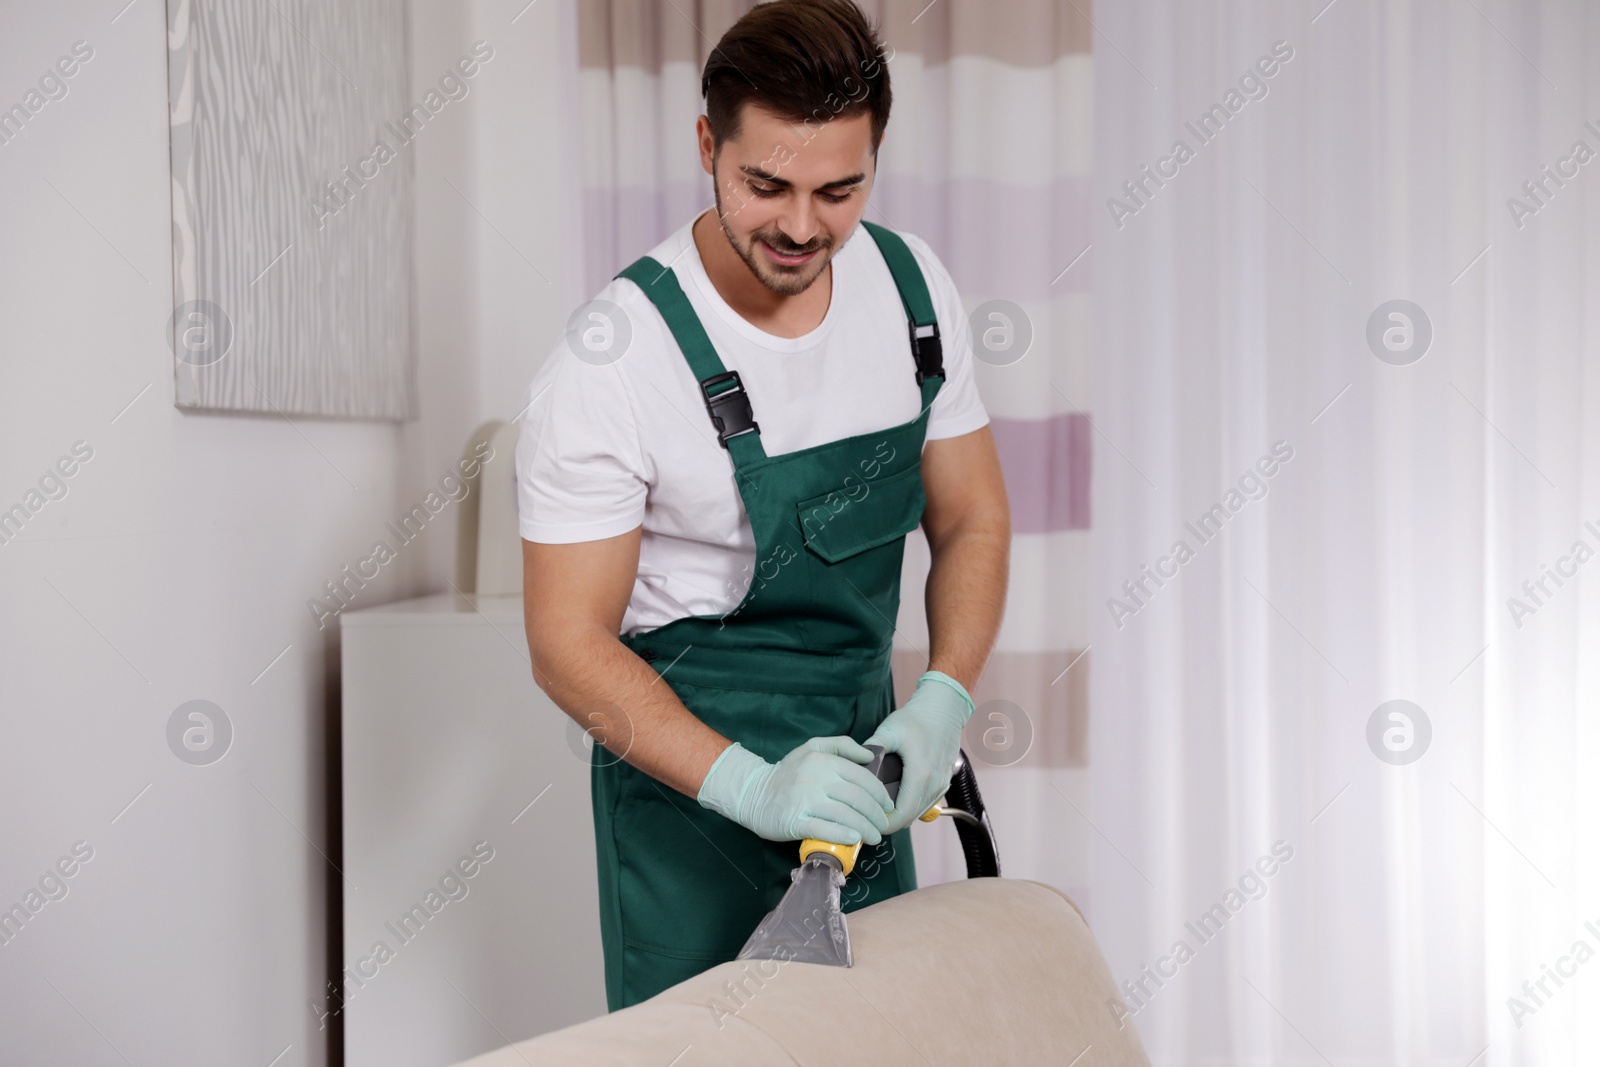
928,350
730,409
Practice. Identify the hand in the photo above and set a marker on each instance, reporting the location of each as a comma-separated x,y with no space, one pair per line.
818,790
926,731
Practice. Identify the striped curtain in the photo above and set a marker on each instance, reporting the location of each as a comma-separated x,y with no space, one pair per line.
987,157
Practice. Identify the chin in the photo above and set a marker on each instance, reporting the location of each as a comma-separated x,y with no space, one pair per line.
788,284
780,281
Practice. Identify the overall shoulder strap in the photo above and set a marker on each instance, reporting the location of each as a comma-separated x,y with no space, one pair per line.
726,400
926,348
660,284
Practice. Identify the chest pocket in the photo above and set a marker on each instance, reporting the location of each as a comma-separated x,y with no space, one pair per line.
862,515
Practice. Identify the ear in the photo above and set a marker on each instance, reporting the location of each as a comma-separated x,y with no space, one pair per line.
702,129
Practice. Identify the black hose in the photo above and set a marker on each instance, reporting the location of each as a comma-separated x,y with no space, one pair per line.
962,801
977,837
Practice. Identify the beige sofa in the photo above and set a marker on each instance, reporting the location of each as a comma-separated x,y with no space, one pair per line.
989,971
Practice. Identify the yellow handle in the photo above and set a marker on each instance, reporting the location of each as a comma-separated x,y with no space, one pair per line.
846,854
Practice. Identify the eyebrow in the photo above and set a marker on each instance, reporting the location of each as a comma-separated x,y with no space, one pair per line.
837,183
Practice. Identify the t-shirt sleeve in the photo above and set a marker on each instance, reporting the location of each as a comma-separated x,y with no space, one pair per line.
581,474
958,409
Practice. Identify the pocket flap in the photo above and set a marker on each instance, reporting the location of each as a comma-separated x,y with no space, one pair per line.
838,525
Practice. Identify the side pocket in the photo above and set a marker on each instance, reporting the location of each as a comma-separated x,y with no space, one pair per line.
871,708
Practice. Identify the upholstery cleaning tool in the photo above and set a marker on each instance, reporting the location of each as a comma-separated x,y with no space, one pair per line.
808,925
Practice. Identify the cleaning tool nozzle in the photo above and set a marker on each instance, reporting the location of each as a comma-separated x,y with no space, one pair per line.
808,925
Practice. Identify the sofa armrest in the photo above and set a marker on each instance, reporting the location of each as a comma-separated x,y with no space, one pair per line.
985,971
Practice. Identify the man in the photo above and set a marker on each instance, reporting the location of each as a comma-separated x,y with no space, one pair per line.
716,478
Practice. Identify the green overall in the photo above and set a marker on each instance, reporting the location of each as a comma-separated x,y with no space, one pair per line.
805,654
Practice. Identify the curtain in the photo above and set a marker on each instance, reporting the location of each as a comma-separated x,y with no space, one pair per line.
987,157
1345,347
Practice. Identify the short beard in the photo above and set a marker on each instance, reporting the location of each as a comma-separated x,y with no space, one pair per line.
785,281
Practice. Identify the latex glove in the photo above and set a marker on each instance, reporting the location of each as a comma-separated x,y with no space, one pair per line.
819,790
926,731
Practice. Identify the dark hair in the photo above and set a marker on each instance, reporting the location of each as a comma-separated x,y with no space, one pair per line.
803,60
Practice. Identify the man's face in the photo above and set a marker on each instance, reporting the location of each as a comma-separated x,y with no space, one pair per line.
789,194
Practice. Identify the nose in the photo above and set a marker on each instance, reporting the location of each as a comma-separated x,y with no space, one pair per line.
799,223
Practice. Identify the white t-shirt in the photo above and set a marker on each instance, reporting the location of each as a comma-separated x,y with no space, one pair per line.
607,446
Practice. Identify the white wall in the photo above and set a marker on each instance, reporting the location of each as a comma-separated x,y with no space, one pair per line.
180,561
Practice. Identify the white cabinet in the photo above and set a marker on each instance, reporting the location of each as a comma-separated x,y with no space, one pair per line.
470,908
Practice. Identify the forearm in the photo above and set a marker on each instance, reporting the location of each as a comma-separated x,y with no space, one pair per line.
965,596
623,703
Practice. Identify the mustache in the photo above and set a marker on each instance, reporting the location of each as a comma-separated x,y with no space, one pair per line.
787,247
